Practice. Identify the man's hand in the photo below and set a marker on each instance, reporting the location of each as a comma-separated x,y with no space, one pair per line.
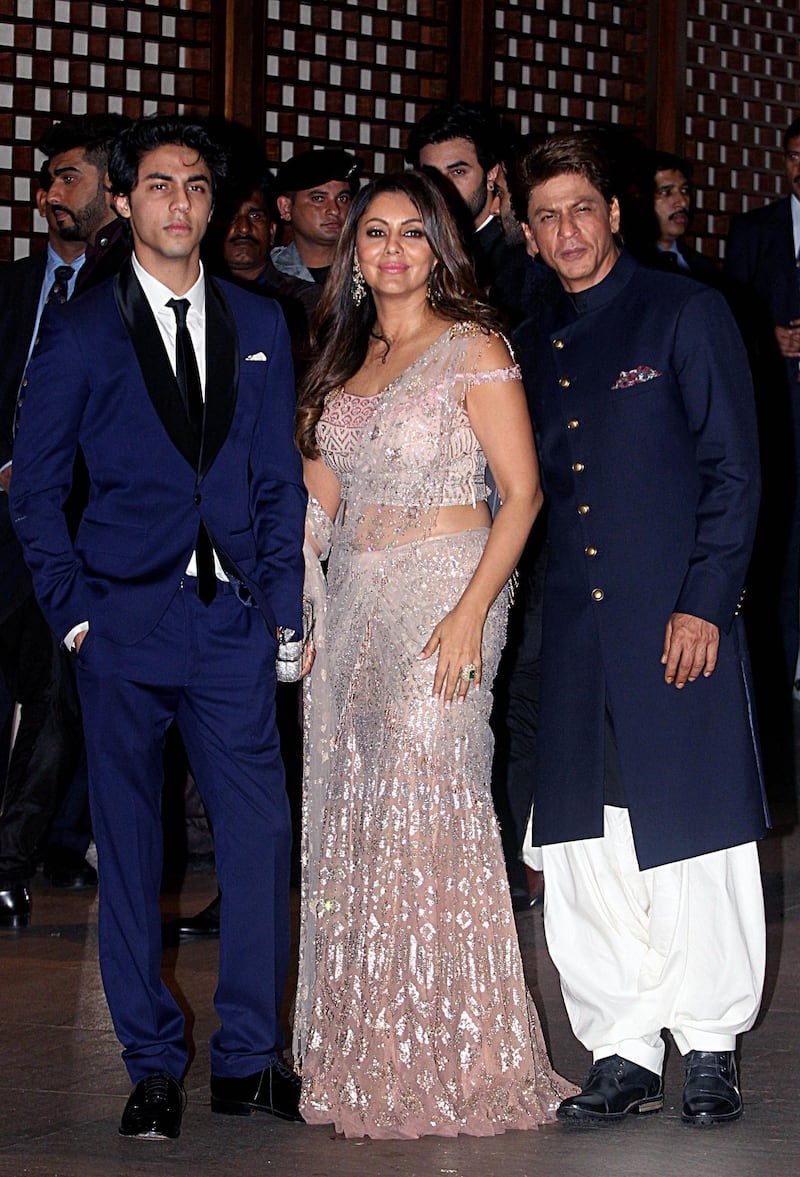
789,339
5,478
691,646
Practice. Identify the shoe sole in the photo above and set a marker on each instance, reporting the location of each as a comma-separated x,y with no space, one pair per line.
644,1107
231,1107
151,1135
706,1120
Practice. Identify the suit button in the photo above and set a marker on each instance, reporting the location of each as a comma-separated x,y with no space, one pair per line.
558,344
564,382
198,498
25,382
584,509
578,467
573,424
597,594
590,551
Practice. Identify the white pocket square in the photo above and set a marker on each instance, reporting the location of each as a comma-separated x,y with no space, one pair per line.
258,356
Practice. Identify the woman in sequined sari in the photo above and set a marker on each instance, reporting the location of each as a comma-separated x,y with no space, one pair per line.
417,1019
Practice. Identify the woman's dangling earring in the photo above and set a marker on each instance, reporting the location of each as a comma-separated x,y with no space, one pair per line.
433,297
358,289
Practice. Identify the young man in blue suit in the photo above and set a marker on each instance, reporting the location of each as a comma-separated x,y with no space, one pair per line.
187,563
648,795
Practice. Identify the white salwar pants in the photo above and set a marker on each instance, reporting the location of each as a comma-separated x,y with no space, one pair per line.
680,946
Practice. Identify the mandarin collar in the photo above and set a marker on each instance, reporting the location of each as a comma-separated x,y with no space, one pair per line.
598,296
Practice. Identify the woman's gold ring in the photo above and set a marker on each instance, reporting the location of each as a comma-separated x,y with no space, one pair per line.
469,672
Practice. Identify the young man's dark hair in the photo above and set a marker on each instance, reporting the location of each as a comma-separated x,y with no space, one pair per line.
94,133
460,120
146,135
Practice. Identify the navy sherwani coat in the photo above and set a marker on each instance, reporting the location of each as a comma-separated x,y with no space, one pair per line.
643,410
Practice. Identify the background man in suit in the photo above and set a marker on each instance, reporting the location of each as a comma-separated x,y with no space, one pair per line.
761,258
669,183
648,795
73,199
186,567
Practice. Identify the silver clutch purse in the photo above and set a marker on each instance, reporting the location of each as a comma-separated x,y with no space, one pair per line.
292,651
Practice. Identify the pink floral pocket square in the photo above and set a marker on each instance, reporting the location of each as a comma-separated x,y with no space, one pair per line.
635,376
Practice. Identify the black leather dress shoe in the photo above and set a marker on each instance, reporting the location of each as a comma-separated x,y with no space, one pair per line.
66,868
615,1088
711,1088
154,1108
203,926
15,906
275,1090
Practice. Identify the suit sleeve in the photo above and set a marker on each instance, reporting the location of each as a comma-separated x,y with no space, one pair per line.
277,494
55,396
713,374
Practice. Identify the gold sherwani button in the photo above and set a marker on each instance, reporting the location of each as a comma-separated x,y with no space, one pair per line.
564,381
573,424
584,509
590,551
597,594
578,467
558,344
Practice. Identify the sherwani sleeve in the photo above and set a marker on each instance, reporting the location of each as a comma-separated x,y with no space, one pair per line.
714,378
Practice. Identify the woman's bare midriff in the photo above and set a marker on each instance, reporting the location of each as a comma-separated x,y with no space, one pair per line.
451,520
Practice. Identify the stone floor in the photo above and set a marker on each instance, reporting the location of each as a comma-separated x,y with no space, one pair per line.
63,1086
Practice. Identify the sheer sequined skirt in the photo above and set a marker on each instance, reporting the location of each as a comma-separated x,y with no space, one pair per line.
420,1021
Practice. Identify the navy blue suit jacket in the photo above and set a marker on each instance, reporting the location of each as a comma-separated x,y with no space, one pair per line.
100,379
759,255
643,410
20,288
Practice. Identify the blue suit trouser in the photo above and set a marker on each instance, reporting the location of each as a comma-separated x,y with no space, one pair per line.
211,670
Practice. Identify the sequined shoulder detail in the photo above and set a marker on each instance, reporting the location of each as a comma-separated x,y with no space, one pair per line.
465,329
497,375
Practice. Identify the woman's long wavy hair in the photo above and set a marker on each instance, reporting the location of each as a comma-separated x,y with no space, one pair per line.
340,330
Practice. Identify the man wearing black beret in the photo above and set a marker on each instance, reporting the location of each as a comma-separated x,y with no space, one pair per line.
312,192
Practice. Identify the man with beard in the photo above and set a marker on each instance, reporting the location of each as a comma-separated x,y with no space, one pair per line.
74,201
462,142
74,178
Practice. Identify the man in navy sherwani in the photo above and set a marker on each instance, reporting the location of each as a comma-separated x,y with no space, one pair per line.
648,796
187,563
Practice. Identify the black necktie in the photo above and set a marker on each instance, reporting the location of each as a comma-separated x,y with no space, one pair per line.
188,378
57,294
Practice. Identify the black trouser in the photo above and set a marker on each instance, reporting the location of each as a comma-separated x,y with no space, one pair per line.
48,742
515,715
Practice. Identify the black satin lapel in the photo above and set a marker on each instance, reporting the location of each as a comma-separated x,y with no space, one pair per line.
222,373
159,378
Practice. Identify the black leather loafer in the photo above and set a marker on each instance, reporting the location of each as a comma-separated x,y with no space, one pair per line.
66,868
615,1088
15,906
154,1108
203,926
275,1090
711,1088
